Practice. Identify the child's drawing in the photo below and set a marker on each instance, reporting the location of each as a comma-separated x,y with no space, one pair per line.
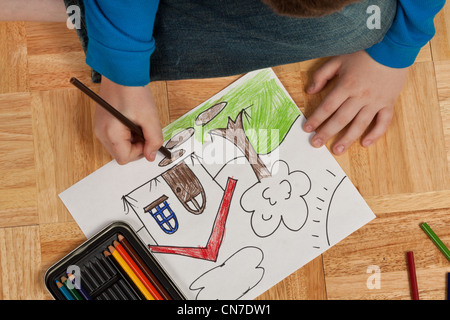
246,262
244,202
270,200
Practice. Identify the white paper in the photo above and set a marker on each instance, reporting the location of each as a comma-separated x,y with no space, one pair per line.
234,231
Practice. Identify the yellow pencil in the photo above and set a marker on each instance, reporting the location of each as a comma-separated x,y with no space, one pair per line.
130,273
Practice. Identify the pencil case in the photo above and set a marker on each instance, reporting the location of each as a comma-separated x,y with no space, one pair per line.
114,264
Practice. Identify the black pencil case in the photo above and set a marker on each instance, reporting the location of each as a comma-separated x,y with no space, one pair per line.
102,280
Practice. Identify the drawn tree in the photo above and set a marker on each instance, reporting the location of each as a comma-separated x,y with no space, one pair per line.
259,103
236,134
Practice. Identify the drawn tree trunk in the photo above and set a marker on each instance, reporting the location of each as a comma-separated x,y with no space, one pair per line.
235,133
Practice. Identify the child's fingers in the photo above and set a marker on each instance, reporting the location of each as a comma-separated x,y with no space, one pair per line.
153,137
326,108
323,74
359,124
383,119
123,150
116,138
338,121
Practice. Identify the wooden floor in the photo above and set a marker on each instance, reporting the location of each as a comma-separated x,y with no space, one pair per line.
47,144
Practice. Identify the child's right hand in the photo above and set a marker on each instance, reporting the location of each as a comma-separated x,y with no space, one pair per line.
137,104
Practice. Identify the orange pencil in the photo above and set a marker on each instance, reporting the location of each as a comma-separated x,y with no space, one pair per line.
137,271
116,255
144,268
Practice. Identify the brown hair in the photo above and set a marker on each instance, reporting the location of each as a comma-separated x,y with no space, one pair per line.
307,8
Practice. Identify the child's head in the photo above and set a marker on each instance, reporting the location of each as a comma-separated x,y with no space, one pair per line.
307,8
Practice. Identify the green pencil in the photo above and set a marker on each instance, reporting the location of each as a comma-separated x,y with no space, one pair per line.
71,289
425,227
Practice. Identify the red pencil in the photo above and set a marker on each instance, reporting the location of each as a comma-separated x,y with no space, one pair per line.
412,276
137,271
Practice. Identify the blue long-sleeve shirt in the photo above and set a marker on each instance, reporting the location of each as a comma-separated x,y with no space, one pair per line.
412,28
121,40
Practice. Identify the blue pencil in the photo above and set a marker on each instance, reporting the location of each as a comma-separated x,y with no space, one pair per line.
81,290
64,291
448,286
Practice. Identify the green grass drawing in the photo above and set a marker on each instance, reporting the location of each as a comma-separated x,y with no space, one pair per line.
266,107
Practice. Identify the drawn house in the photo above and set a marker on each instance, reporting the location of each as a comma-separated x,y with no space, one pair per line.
174,199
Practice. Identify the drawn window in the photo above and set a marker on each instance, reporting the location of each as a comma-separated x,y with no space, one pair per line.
162,213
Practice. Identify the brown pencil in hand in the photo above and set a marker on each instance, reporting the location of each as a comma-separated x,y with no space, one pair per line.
135,129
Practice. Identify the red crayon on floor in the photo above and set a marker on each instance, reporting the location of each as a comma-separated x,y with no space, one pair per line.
412,276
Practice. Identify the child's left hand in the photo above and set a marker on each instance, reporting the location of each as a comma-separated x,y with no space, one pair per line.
365,91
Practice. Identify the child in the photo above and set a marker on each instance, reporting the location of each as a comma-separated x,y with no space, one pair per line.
131,42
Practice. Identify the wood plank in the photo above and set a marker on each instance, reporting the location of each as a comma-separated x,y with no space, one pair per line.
442,69
18,184
13,57
390,203
159,93
51,38
54,56
383,243
307,283
440,44
20,275
64,140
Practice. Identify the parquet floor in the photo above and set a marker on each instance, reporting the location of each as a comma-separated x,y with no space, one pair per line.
47,144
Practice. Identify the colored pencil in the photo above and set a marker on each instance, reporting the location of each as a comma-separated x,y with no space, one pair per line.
124,282
137,271
425,227
448,286
144,268
412,275
81,290
64,291
130,273
136,130
71,289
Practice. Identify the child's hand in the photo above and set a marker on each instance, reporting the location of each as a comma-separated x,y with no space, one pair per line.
135,103
365,90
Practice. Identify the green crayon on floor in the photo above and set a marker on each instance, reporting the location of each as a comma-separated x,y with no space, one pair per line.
425,227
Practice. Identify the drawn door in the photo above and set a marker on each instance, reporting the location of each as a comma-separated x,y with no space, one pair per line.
186,187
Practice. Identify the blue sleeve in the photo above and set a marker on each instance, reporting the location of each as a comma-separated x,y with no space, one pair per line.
412,28
121,39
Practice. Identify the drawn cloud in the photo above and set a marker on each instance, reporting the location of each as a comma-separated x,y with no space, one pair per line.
277,200
245,263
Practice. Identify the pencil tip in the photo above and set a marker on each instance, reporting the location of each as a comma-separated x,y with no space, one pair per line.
120,237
